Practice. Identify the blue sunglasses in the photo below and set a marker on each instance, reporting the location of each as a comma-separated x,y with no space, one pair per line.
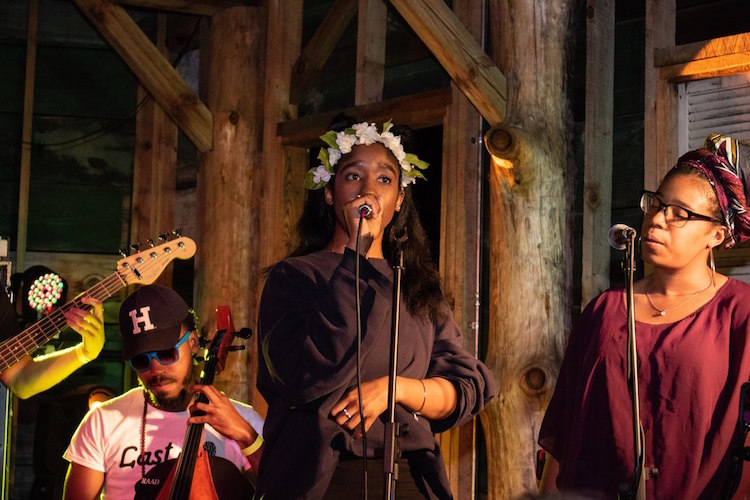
142,362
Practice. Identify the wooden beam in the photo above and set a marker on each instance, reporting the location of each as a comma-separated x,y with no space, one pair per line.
681,54
459,54
706,68
320,46
418,111
26,135
597,176
199,7
371,30
152,70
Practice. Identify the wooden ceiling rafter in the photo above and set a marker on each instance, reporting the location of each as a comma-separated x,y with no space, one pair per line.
458,52
440,30
319,48
153,71
198,7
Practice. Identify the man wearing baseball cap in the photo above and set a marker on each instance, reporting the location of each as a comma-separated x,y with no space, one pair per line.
118,442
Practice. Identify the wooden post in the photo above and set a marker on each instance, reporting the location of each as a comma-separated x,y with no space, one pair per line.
28,117
460,242
154,167
227,267
278,209
530,235
597,175
660,98
371,29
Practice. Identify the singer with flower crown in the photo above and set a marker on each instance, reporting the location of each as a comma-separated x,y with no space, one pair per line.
307,333
693,353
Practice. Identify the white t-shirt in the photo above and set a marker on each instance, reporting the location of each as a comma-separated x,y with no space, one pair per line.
109,438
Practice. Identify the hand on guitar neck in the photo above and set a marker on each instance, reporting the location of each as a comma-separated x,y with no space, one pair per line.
28,376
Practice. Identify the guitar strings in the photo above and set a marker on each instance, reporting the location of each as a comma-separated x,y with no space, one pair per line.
42,331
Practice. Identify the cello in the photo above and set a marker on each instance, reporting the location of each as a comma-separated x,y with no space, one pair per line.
195,474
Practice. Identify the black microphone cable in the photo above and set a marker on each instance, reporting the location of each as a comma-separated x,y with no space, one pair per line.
359,360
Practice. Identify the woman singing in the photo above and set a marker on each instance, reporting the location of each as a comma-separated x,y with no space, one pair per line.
308,333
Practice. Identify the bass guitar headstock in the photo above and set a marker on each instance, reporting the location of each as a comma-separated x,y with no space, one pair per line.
145,266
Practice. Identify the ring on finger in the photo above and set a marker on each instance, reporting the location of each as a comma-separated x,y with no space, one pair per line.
347,414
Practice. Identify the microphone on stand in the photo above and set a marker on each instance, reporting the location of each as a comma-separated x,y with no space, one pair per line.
365,211
619,235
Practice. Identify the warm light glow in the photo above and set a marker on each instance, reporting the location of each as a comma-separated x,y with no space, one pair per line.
99,396
501,162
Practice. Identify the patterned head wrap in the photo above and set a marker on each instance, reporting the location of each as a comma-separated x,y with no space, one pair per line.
726,163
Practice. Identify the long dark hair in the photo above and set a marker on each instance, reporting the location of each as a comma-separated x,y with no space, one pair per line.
420,280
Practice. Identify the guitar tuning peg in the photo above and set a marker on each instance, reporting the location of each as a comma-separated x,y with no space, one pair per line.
151,243
136,247
236,347
163,237
177,232
122,252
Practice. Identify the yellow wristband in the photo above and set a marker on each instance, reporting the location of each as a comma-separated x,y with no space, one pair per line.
253,447
80,355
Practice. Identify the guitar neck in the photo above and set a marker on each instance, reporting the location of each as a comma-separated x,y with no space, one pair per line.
41,332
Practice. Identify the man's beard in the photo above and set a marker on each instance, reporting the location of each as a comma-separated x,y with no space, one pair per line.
177,403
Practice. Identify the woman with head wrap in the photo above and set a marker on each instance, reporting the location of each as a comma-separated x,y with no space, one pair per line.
692,327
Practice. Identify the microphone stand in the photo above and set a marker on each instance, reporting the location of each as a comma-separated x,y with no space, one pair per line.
637,489
740,452
390,468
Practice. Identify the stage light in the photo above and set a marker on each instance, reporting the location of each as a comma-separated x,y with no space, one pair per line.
45,292
38,291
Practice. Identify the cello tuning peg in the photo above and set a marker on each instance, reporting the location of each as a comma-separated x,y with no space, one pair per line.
244,333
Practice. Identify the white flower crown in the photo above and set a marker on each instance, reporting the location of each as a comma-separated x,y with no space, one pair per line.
341,143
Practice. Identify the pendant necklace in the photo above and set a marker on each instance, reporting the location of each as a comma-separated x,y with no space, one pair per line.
663,312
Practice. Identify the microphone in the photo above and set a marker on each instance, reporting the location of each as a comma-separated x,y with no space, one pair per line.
619,235
365,211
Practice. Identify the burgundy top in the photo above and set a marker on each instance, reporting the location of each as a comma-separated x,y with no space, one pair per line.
690,374
307,334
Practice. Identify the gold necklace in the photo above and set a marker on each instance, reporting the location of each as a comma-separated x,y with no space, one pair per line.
663,312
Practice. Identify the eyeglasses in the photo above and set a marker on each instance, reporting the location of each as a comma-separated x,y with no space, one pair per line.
675,215
142,362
